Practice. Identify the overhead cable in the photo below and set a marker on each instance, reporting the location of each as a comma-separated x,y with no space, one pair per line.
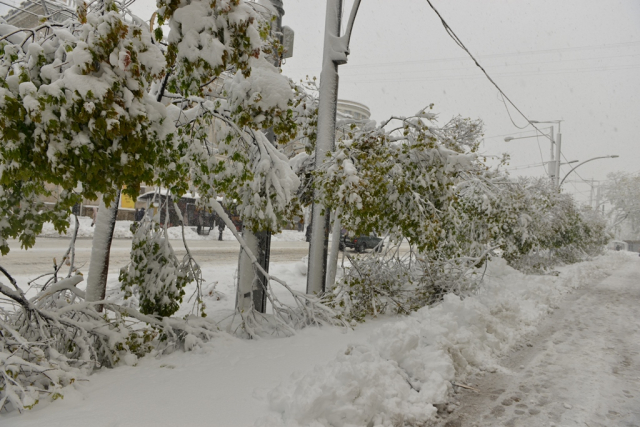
498,55
456,39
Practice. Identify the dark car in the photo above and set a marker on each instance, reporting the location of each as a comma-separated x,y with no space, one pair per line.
362,243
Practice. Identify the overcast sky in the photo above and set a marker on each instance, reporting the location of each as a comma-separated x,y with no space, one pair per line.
577,61
571,60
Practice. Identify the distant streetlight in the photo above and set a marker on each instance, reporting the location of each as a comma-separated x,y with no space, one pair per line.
554,165
613,156
558,142
511,138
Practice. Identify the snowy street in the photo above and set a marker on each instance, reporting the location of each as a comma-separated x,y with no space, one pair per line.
39,258
581,369
203,226
578,365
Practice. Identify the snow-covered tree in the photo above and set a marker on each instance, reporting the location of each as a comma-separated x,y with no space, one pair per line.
622,192
101,103
76,113
401,178
98,104
427,184
154,276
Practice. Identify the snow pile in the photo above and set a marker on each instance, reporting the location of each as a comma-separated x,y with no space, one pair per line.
288,236
122,230
408,365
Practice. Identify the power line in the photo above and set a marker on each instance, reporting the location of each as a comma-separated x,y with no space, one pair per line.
505,74
506,107
530,166
491,56
508,134
404,71
456,39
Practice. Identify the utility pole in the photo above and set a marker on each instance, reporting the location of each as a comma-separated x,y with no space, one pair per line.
552,163
558,154
252,284
599,199
320,219
336,49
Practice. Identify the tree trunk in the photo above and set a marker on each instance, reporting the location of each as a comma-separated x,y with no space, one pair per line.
251,284
101,247
332,262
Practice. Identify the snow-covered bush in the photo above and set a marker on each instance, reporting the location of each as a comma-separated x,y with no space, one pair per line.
373,285
154,276
396,283
544,227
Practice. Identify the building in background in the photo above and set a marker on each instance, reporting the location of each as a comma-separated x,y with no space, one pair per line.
353,109
30,12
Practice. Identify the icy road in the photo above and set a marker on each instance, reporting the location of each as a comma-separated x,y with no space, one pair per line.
581,369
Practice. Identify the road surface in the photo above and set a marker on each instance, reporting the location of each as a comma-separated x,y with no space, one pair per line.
582,368
39,259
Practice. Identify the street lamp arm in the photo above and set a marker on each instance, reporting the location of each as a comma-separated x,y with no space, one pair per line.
586,161
352,18
340,44
511,138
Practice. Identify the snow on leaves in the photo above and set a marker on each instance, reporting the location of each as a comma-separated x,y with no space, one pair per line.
154,276
75,109
207,37
402,180
79,109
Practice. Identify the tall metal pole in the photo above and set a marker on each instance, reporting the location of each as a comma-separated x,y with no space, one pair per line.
320,220
558,154
552,162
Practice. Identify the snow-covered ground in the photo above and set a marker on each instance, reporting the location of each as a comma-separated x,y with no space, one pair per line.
381,373
581,368
123,231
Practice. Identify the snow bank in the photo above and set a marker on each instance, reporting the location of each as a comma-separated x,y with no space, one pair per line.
122,231
407,366
86,230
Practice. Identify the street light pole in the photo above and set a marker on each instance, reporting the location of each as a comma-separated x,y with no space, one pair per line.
553,164
329,79
613,156
336,49
558,153
558,147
